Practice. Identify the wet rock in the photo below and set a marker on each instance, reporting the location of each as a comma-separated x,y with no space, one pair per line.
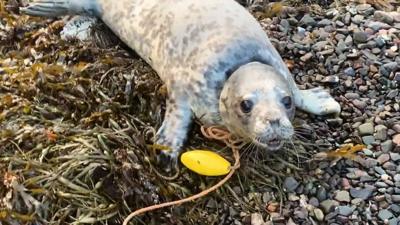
290,184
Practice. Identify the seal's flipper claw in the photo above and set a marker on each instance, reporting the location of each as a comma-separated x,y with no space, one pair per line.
167,160
318,101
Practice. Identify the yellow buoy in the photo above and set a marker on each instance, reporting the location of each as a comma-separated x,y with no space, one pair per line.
205,162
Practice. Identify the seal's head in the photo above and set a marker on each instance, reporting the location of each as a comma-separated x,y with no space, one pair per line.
256,103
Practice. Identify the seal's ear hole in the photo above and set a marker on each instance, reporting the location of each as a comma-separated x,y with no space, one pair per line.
287,102
246,106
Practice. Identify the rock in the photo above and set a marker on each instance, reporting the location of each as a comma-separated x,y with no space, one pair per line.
333,79
387,146
321,194
357,19
349,71
364,9
396,178
366,128
257,219
324,23
363,194
381,132
385,214
391,66
328,205
319,214
376,25
348,41
396,139
383,17
342,196
306,57
368,139
290,184
394,156
383,158
396,198
307,20
351,95
345,210
359,104
360,37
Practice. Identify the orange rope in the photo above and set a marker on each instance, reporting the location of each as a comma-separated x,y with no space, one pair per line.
212,133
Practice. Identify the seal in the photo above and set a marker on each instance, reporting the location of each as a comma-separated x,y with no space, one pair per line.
216,61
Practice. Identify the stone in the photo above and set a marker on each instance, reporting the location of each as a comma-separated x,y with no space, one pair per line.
383,17
383,158
342,196
319,214
328,205
394,156
345,210
349,71
396,198
363,194
308,20
381,132
360,37
366,129
324,23
396,139
306,57
385,214
290,184
391,66
357,19
387,146
368,139
257,219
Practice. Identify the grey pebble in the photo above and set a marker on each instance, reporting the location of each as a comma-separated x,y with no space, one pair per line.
363,194
360,37
345,210
368,139
383,17
385,214
290,184
308,20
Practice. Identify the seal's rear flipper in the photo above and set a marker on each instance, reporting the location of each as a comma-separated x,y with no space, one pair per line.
54,8
317,101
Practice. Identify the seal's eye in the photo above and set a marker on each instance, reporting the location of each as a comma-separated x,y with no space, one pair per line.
246,106
287,102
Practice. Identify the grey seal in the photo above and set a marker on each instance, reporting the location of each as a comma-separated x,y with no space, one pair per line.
216,61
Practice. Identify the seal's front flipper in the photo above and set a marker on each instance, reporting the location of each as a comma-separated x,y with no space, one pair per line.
317,101
173,132
54,8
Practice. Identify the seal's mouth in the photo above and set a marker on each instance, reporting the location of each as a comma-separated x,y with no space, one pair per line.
272,144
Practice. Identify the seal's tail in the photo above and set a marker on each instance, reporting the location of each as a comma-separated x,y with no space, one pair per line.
53,8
